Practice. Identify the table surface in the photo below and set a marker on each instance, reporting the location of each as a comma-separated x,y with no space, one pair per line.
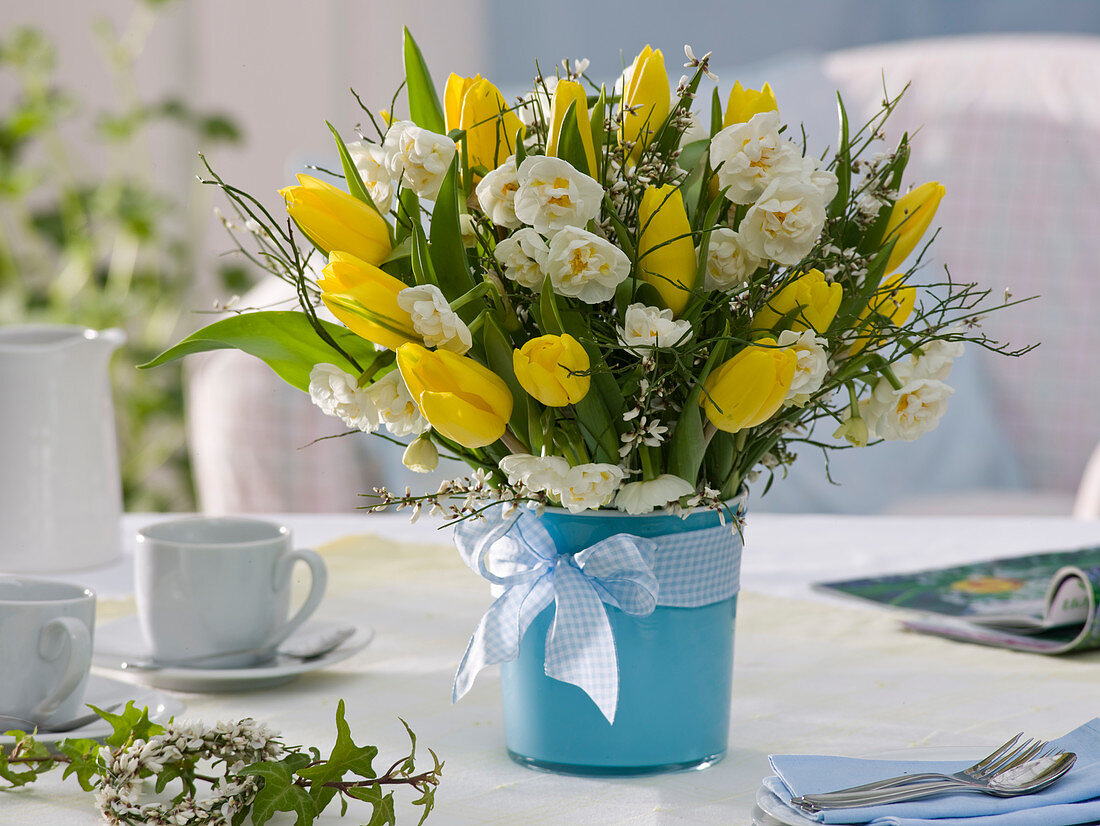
812,674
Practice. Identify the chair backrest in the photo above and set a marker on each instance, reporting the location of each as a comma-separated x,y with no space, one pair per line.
1011,125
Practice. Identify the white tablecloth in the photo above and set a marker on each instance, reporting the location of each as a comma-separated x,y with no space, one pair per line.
812,674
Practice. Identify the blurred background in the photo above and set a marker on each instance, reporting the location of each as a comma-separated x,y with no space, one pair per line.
104,105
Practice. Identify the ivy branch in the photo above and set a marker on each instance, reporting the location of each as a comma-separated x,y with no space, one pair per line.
250,772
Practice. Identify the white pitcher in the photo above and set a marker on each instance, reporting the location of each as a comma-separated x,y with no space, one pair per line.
60,490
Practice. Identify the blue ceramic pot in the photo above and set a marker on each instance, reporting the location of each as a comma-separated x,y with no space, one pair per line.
675,672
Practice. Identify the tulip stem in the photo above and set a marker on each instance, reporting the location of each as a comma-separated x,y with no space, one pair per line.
709,429
471,295
513,443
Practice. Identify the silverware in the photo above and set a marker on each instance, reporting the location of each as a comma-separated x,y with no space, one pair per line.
10,721
302,647
1000,758
1008,778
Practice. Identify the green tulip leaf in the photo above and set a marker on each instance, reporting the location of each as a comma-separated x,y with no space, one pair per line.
688,444
286,341
447,250
597,124
351,172
715,112
570,145
425,109
498,358
843,165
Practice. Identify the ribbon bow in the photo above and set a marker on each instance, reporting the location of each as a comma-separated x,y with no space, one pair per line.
517,554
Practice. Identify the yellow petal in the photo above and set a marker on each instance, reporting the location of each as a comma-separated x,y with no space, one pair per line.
460,420
565,93
490,127
453,95
669,265
646,101
910,217
334,220
744,103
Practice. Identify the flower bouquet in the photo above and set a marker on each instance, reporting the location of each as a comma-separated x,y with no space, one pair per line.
605,297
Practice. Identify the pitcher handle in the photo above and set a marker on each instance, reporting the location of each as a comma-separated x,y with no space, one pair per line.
318,583
64,635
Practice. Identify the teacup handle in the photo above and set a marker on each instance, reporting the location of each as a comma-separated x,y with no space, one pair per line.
318,583
59,635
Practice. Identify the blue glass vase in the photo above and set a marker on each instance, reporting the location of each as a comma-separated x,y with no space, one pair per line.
675,674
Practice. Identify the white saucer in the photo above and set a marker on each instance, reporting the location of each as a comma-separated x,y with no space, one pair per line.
122,641
105,692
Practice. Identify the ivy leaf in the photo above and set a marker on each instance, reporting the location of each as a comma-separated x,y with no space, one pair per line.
84,756
285,341
131,723
279,792
410,762
384,814
20,778
345,757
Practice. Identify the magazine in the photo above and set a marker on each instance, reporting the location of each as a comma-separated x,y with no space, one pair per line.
1044,603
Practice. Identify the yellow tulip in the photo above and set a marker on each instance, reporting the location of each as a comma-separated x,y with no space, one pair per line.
547,367
744,103
477,106
893,301
364,298
334,220
815,299
565,93
645,100
463,400
667,264
749,388
453,94
909,219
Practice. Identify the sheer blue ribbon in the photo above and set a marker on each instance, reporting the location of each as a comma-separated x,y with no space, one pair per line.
517,554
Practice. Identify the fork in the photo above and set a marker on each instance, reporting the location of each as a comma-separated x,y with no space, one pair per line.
1012,753
1020,779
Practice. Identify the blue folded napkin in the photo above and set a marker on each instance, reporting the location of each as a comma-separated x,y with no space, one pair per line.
1075,799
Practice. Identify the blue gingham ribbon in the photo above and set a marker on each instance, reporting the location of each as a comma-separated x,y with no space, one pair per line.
631,573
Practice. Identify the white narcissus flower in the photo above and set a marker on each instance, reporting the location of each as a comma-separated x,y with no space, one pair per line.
785,223
433,318
536,473
553,194
524,256
729,264
418,157
812,365
583,265
907,413
370,160
937,359
496,193
643,497
647,327
395,405
421,456
590,486
468,229
337,394
749,155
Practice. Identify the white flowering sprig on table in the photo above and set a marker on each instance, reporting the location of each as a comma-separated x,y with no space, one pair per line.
617,295
248,769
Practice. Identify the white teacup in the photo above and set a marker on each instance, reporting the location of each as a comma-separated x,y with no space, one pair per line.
45,648
214,592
